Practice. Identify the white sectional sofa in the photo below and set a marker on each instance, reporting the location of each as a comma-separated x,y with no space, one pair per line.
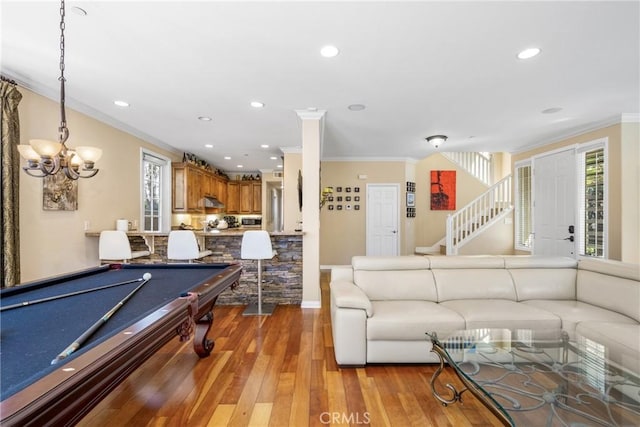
381,307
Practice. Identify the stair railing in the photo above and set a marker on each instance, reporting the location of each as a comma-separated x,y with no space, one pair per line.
467,223
477,164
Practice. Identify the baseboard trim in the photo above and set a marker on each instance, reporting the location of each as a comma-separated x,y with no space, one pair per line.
310,304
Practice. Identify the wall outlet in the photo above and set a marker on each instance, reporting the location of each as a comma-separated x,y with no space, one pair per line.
87,225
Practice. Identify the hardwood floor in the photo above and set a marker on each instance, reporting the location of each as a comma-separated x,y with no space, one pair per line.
278,371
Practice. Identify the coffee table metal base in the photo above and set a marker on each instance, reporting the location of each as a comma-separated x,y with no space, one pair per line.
456,395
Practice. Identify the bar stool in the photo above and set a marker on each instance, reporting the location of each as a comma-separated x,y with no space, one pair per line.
183,246
114,246
256,245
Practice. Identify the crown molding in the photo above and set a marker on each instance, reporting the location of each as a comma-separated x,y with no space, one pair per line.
311,114
581,130
370,159
291,150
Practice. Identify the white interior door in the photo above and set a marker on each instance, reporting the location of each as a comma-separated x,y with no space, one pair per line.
554,204
382,219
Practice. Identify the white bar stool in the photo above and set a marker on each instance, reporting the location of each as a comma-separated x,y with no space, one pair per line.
256,245
183,246
114,246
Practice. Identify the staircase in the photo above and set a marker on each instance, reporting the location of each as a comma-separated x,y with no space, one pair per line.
470,221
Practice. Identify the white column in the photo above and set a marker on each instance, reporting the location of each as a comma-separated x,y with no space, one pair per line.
312,128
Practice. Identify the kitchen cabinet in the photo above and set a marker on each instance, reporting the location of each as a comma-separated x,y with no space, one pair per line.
233,197
244,197
256,189
190,184
187,187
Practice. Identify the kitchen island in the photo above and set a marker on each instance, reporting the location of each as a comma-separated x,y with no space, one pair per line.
282,275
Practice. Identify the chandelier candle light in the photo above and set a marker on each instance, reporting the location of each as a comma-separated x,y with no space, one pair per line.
46,157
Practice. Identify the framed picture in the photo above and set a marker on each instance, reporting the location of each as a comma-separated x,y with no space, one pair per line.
443,190
330,207
356,198
356,189
338,189
347,199
348,189
411,200
339,199
339,207
59,193
356,207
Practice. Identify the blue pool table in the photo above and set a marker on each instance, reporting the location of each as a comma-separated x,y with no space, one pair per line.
177,300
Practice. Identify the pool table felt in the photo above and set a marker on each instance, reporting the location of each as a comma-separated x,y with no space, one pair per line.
32,336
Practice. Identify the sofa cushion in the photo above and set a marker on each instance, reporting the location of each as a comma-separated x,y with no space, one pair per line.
465,262
474,283
540,283
410,320
486,313
622,341
394,278
572,312
615,293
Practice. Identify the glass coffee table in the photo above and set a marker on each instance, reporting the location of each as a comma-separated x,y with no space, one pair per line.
540,377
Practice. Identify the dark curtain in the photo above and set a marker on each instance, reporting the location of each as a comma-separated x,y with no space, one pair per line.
10,231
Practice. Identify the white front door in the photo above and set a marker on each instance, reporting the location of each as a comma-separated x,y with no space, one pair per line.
382,219
554,204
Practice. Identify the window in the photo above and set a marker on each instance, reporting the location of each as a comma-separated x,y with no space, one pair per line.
592,200
523,208
154,189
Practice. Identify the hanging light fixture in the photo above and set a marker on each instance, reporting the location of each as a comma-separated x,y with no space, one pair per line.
46,157
436,140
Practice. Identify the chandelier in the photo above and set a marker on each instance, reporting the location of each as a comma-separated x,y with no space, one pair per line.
45,157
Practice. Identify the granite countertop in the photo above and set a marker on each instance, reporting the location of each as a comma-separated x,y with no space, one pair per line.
199,232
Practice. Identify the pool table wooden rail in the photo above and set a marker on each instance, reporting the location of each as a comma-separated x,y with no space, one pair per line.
66,395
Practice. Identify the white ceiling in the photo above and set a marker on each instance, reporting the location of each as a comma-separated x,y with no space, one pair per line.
421,68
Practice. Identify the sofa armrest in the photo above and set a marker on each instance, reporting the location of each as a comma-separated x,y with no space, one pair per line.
350,308
347,295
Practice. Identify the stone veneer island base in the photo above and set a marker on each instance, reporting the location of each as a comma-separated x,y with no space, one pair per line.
282,275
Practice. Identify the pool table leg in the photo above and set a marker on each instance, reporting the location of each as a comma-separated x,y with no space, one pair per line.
201,344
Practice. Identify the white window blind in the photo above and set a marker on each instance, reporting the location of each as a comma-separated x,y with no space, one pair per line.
592,200
153,182
523,209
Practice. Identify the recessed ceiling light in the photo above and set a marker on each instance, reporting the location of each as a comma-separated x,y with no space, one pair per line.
264,146
273,158
227,158
279,166
204,118
356,107
208,145
121,103
240,166
329,51
257,104
529,53
551,110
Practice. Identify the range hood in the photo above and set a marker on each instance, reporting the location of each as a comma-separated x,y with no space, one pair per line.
212,202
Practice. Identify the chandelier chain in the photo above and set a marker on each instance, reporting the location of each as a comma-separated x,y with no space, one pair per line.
64,131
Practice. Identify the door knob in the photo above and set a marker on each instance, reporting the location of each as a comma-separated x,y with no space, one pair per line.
394,231
570,238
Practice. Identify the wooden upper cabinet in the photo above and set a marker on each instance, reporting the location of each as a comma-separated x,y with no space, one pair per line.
244,197
233,197
256,206
191,184
186,194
